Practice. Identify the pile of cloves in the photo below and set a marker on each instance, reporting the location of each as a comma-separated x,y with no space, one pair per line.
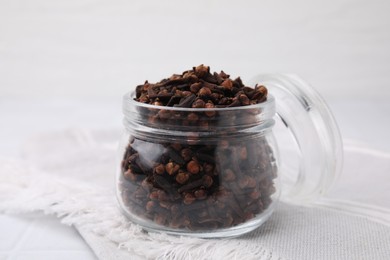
198,183
198,88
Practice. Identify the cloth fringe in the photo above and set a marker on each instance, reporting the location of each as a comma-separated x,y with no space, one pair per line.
92,207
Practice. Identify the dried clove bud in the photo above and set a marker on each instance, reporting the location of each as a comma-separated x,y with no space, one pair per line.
204,92
243,153
198,103
202,70
210,106
200,194
194,88
186,153
182,177
150,205
188,199
193,167
159,169
227,84
171,168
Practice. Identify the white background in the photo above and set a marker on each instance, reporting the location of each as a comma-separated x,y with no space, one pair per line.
67,64
92,48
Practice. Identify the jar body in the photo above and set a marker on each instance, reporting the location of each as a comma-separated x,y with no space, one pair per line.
211,182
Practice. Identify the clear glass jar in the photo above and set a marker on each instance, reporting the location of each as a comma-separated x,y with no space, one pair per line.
215,172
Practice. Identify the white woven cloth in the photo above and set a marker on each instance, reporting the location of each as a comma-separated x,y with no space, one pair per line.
71,174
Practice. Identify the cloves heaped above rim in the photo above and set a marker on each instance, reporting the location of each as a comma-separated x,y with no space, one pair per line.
199,88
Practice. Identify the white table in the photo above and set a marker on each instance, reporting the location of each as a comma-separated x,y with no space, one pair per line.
43,237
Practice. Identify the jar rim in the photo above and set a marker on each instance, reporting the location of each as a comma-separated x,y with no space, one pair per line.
128,100
143,119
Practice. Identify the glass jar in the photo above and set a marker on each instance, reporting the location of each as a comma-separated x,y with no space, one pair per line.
219,172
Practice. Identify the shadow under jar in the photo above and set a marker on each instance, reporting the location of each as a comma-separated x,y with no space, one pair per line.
198,172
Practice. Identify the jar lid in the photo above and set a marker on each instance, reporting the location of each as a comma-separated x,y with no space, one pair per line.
309,141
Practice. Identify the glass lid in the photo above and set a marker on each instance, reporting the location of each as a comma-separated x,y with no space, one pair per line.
309,141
